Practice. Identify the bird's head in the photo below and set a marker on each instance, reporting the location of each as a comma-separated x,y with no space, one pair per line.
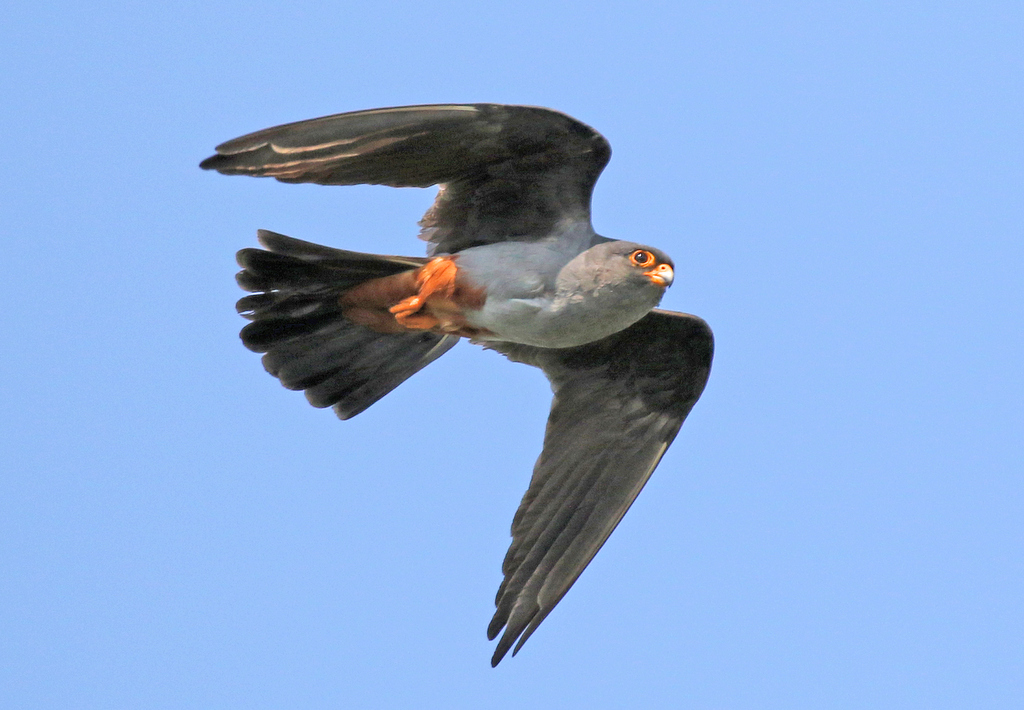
634,264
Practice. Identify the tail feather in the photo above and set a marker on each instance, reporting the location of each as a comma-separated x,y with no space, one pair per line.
297,321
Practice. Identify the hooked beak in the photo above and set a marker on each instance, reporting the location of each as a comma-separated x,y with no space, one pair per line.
661,275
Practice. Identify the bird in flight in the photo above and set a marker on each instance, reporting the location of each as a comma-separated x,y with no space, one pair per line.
513,265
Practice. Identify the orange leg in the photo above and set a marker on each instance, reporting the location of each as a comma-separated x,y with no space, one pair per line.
435,278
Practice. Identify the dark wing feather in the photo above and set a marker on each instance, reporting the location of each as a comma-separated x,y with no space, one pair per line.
505,171
618,404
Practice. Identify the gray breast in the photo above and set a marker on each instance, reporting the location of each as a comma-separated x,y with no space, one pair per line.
582,299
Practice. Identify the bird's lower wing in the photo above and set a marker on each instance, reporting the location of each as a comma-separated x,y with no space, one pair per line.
618,404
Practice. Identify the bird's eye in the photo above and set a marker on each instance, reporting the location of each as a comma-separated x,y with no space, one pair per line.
642,257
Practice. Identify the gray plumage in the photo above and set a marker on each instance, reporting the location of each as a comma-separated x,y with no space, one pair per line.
514,211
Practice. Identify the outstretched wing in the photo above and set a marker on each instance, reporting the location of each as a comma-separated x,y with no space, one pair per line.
618,404
505,171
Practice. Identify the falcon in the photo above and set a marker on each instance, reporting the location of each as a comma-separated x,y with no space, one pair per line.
513,264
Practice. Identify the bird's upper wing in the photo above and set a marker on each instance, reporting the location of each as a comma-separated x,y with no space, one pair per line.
618,404
505,171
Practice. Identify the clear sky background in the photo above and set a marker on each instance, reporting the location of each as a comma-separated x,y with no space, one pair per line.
840,523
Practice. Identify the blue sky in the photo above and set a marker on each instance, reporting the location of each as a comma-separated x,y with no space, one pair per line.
838,525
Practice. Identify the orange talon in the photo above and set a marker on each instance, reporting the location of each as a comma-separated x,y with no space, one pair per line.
431,297
435,278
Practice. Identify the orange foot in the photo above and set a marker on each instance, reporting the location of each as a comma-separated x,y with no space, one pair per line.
435,278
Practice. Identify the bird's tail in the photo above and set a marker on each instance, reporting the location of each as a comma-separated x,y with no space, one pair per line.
298,320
